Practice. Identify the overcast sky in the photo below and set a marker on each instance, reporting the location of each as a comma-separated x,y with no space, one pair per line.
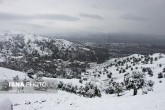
65,16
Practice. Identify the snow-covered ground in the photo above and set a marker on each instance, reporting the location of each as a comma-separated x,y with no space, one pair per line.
65,101
8,74
62,100
105,68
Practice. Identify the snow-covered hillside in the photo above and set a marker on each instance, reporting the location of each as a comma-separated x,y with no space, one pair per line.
23,51
8,74
31,42
114,70
117,68
67,101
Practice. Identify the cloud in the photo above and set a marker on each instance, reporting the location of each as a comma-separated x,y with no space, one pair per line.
133,17
92,16
94,6
1,1
61,17
13,16
113,15
23,24
8,1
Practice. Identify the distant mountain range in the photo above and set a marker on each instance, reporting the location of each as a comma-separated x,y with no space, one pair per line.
113,37
21,50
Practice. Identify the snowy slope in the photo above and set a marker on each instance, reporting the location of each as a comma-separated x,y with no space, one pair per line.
61,100
18,43
112,66
8,74
31,39
67,101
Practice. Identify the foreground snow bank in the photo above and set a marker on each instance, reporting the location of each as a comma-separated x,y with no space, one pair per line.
8,74
66,101
6,104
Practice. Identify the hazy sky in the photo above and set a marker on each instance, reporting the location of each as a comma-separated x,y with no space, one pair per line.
63,16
